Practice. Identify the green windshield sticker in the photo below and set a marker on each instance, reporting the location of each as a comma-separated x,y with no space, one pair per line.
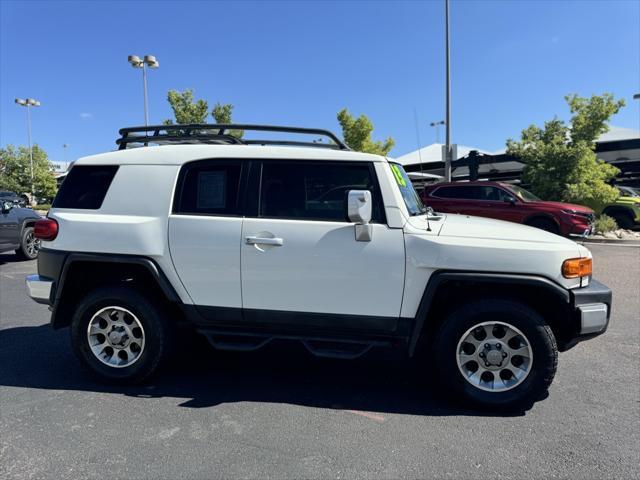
398,175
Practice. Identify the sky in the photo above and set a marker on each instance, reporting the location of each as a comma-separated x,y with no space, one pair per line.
300,62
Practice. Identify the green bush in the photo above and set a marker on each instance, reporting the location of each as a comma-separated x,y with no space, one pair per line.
604,223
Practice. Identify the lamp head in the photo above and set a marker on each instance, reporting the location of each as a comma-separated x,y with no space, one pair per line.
135,61
21,101
151,61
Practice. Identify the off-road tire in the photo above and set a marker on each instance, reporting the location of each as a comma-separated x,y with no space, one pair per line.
516,314
157,333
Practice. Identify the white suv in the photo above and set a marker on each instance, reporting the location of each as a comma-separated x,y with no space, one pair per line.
253,240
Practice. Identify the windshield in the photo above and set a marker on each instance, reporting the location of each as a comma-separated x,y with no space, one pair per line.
629,192
411,198
524,195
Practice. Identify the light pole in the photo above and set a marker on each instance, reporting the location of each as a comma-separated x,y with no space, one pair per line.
148,61
437,126
29,102
448,149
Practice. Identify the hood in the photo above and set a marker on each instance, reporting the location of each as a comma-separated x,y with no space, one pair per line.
487,228
479,244
628,200
563,206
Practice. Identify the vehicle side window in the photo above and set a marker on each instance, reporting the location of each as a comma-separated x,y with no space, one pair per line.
85,187
458,192
493,194
208,188
314,191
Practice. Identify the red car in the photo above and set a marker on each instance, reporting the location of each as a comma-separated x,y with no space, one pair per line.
509,202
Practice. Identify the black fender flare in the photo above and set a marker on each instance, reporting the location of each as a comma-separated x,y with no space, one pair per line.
146,262
611,209
442,276
70,259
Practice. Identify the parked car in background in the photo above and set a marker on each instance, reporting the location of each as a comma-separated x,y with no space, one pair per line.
16,230
625,210
6,196
508,202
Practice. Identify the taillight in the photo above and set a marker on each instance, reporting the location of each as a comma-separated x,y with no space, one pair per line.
46,229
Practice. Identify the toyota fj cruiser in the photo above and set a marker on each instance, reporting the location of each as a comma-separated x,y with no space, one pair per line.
253,240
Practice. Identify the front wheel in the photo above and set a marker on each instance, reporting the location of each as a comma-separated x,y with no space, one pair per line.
496,353
120,335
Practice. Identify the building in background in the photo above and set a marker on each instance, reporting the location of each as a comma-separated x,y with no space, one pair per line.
619,147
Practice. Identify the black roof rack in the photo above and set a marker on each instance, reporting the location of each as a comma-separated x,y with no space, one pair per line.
210,133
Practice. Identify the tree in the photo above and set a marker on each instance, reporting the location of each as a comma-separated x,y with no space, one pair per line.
560,160
185,109
222,114
15,172
357,134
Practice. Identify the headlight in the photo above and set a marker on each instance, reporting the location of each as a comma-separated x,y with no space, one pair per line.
577,267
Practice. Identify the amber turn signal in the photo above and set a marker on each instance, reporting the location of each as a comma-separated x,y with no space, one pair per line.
577,267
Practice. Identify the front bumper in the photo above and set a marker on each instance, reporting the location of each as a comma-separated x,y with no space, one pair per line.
39,288
592,307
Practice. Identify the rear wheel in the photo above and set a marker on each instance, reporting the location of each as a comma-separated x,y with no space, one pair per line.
29,244
496,353
119,334
544,224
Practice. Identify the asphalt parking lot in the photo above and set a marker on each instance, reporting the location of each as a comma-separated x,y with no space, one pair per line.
281,413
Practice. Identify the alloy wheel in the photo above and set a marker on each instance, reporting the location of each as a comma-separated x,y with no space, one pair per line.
494,356
32,245
116,337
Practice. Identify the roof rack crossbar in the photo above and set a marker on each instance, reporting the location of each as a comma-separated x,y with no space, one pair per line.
197,133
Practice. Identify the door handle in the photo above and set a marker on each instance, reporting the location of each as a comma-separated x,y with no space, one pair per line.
253,240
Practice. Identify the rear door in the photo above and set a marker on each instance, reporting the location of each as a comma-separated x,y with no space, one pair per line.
463,199
301,263
204,235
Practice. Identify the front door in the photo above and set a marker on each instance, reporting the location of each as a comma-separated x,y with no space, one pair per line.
9,228
301,263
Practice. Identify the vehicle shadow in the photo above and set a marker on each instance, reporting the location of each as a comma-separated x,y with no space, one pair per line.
12,258
382,381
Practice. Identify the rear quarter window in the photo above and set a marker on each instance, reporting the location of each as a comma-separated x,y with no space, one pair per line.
85,187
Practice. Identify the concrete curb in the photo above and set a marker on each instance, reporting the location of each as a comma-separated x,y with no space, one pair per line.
611,241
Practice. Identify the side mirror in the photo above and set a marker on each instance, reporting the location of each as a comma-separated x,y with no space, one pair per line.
510,200
6,207
359,210
359,206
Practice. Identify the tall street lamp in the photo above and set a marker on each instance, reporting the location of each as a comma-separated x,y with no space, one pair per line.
29,102
448,149
148,61
437,126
